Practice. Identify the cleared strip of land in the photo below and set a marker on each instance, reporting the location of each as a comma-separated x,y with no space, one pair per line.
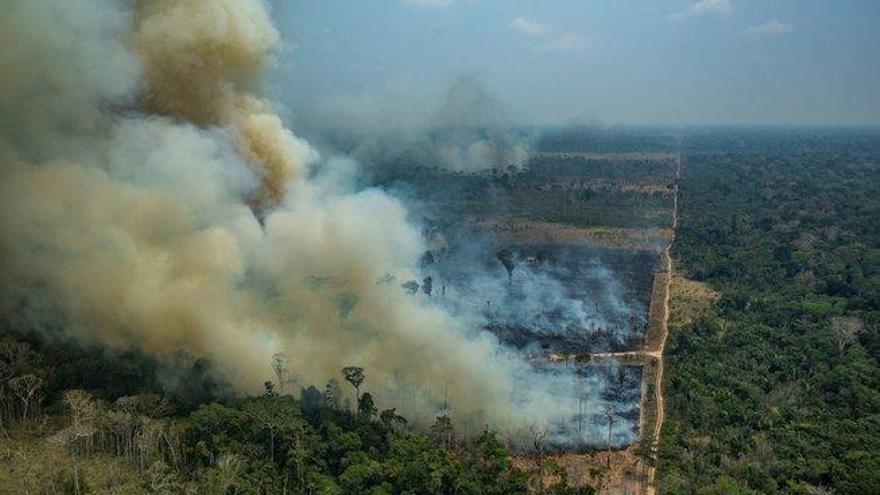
659,412
611,157
642,187
532,232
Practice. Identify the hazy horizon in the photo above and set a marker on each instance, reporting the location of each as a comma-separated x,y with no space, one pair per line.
551,63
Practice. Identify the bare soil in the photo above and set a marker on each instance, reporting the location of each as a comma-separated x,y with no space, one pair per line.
619,472
533,232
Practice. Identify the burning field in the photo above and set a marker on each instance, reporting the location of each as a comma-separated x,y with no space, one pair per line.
555,258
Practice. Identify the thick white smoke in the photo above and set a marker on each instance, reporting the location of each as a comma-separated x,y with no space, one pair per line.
134,153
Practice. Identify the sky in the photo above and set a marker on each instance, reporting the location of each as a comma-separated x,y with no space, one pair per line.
597,62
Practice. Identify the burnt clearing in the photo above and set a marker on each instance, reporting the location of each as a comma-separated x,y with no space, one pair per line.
559,299
511,250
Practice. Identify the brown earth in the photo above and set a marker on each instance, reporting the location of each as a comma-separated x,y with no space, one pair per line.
689,300
616,473
532,232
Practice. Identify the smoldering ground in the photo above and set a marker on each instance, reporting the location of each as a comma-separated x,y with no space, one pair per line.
154,201
564,299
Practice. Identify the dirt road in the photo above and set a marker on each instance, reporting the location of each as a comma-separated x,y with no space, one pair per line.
664,327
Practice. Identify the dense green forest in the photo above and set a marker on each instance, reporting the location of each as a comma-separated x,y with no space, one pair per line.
606,139
776,389
78,420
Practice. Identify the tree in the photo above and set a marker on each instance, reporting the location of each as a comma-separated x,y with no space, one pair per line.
162,480
443,429
27,388
332,395
393,421
269,389
279,366
84,414
366,406
83,409
427,285
539,439
271,413
225,475
645,449
610,415
12,354
505,256
311,401
355,376
847,330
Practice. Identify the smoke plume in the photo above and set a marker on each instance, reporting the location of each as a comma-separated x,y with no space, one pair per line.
464,128
201,62
152,200
472,130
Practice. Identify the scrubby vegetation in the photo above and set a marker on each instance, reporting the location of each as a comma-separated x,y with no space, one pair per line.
776,388
580,191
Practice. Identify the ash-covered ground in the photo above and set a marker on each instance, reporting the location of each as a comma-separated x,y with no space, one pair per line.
613,415
561,299
558,299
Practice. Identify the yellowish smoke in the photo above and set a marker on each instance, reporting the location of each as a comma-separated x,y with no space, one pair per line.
202,60
134,149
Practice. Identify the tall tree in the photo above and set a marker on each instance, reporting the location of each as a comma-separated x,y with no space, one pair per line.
610,414
271,413
539,440
393,421
443,429
279,366
84,414
355,376
366,406
27,389
332,395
